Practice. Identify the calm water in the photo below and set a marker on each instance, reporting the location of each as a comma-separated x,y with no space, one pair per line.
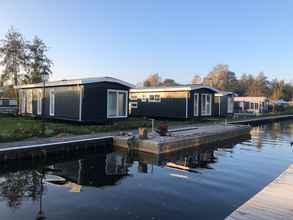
118,185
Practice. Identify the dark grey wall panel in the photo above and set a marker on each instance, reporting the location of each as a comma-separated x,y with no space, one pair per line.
167,108
171,107
67,102
94,102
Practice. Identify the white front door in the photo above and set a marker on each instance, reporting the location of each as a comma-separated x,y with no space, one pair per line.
195,105
206,104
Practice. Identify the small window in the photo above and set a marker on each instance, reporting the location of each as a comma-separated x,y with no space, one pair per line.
133,105
155,98
133,98
144,98
52,102
12,102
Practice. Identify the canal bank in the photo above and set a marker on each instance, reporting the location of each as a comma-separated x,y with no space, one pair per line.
180,138
263,120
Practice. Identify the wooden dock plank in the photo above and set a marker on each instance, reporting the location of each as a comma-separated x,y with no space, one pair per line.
274,202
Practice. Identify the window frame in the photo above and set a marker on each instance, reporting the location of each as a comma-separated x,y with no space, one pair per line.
117,105
133,105
155,100
52,102
144,98
12,102
209,112
39,102
133,98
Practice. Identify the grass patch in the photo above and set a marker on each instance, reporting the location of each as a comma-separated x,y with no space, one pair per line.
13,128
18,128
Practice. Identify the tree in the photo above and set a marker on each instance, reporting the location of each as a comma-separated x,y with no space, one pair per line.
39,64
13,55
152,80
197,79
245,81
169,82
277,89
259,86
288,91
222,78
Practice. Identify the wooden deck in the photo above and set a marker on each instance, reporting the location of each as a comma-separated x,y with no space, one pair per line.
274,202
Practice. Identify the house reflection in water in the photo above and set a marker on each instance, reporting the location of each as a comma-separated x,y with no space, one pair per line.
95,171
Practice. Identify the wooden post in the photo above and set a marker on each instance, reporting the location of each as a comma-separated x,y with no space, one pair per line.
142,133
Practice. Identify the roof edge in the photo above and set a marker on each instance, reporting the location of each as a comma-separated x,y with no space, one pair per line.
82,81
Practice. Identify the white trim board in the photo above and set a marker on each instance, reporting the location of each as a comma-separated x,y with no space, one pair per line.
53,144
77,82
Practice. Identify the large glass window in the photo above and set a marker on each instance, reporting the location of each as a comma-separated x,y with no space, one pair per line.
117,104
23,101
230,104
29,101
121,104
206,104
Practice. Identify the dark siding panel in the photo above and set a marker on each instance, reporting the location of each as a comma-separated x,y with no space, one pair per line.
169,107
94,102
216,105
224,105
67,102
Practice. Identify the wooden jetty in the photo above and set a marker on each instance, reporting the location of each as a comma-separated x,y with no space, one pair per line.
274,202
180,139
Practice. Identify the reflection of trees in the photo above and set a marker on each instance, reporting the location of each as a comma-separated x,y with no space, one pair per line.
18,186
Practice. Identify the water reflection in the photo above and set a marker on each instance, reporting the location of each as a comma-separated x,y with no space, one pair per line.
106,169
114,183
19,186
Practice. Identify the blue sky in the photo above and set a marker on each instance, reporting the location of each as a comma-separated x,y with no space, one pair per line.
130,39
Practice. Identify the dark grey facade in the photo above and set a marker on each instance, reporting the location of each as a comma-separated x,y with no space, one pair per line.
88,100
179,102
224,104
